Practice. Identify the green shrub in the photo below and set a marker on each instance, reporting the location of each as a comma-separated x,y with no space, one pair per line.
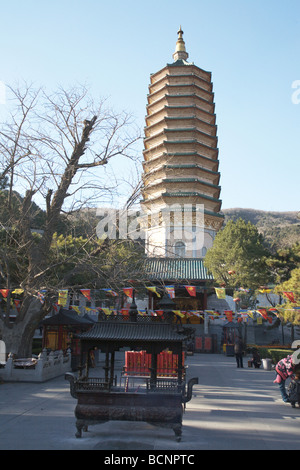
273,353
36,346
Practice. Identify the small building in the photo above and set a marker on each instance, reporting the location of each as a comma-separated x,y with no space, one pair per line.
59,331
180,272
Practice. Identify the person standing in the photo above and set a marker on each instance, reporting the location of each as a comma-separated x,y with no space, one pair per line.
238,351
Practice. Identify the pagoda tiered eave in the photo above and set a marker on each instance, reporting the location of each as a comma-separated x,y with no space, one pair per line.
179,101
181,152
190,158
180,78
182,70
164,171
170,122
176,147
184,133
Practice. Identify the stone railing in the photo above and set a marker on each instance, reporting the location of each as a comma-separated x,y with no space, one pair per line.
47,366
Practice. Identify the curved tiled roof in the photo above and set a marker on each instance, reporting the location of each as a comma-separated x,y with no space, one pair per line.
176,269
67,317
132,332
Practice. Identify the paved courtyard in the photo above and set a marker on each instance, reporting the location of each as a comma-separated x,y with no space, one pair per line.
231,409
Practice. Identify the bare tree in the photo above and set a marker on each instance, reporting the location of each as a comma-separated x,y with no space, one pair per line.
54,150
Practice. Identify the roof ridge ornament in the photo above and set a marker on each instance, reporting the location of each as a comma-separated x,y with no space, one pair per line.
180,51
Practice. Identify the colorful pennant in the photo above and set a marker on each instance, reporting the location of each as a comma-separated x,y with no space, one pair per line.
191,290
107,311
220,292
41,295
128,291
171,291
76,308
4,292
110,291
229,315
290,296
18,291
153,289
159,312
263,313
86,293
179,313
17,304
62,297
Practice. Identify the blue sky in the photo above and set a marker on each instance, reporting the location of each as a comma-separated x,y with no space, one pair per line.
252,48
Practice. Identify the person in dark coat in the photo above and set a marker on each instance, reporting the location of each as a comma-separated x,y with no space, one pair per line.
256,360
238,351
294,387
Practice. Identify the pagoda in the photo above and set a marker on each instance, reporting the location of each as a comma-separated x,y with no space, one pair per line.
180,168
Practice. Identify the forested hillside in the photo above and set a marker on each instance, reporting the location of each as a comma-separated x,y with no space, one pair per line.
280,229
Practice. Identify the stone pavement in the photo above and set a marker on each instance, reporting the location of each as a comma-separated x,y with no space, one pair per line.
231,409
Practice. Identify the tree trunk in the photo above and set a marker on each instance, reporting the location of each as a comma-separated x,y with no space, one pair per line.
18,336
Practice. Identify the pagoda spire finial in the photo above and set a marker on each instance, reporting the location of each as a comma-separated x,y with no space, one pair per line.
180,51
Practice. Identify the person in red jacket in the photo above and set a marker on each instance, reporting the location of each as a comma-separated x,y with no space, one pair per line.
284,369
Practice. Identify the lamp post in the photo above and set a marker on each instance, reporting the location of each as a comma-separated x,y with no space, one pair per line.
133,309
167,305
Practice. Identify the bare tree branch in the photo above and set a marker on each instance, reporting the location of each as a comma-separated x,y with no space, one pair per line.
55,148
